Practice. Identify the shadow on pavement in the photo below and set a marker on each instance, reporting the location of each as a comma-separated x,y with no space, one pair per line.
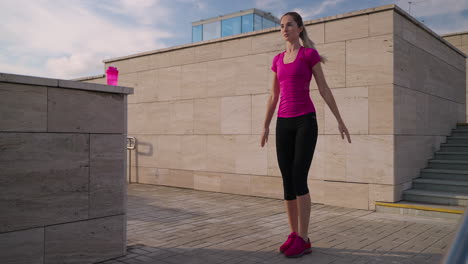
140,253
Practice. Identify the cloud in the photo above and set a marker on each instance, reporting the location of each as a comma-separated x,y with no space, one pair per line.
198,4
22,69
447,24
145,12
73,65
69,39
276,7
316,11
433,7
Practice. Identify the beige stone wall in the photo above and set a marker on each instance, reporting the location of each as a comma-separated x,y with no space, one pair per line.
198,112
428,96
62,163
460,40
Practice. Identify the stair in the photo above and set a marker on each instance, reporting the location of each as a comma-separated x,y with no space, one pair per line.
441,185
442,188
436,197
454,147
458,140
444,174
448,164
451,155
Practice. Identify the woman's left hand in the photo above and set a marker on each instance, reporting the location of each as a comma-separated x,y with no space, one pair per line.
344,131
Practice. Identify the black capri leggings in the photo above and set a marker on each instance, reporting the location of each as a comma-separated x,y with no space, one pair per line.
296,138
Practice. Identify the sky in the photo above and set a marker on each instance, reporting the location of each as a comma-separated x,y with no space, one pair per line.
69,39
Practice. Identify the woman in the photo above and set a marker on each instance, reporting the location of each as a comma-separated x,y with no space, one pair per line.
296,129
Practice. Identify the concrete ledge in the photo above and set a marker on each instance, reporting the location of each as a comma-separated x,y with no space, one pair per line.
31,80
454,34
23,79
89,78
94,87
52,148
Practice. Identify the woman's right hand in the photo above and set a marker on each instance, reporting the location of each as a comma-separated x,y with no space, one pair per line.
265,133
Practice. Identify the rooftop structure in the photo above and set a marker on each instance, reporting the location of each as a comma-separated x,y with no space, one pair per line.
232,24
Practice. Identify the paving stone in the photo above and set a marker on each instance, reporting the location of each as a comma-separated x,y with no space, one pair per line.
174,225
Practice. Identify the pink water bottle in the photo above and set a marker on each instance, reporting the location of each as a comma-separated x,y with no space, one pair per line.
112,75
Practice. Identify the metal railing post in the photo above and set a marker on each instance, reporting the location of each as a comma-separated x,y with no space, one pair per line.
131,144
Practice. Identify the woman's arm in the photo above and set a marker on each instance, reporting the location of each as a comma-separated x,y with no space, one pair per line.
327,95
271,106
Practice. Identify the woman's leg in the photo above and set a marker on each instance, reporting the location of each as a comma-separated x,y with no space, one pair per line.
285,143
291,210
306,140
303,204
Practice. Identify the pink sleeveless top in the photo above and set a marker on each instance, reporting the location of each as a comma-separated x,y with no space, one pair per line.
294,80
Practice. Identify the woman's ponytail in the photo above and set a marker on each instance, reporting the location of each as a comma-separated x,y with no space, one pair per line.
308,43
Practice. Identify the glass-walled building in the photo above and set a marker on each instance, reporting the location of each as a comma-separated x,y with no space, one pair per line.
232,24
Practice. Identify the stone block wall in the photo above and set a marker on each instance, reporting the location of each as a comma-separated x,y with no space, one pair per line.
429,95
460,41
62,177
198,109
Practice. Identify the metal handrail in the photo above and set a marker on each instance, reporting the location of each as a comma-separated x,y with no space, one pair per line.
129,142
131,145
457,253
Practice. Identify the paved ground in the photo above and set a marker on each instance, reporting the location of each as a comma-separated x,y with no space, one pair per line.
171,225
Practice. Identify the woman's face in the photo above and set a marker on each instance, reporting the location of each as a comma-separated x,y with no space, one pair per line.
289,29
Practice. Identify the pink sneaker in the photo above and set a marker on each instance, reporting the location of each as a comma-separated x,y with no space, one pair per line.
288,242
298,248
